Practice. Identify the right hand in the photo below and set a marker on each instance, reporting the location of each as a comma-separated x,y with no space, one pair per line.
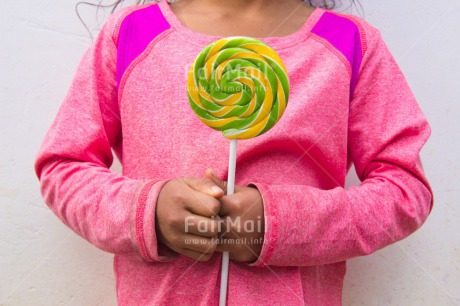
186,218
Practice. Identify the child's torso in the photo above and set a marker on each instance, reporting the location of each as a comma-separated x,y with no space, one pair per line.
163,138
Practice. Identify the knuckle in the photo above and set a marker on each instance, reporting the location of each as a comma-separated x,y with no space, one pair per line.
187,180
191,182
176,222
214,207
203,183
178,197
237,203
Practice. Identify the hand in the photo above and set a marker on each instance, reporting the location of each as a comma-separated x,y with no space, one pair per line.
243,221
187,217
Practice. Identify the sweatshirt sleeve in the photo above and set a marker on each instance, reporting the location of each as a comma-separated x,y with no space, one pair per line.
114,212
387,129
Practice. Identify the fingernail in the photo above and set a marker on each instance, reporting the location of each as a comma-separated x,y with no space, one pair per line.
216,189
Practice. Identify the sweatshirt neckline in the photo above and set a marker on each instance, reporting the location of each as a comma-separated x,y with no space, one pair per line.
274,41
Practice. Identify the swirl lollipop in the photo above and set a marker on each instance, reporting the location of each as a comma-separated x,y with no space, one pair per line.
240,86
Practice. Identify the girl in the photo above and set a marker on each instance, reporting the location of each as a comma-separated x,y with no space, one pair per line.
349,104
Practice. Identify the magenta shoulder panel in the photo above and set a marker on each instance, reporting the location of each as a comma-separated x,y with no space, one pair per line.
137,30
345,36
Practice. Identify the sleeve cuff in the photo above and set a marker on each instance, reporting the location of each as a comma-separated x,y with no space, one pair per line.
143,223
271,225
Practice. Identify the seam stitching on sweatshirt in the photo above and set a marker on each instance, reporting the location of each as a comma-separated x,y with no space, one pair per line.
336,52
362,33
138,60
362,36
358,24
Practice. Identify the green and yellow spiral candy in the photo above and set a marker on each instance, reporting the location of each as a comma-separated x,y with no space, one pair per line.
238,85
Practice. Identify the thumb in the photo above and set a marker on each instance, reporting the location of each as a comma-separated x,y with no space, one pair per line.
205,185
210,174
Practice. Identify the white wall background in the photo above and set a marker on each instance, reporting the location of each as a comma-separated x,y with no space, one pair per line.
44,263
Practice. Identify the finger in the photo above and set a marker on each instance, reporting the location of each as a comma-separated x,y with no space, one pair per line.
231,204
199,244
230,228
210,174
202,204
204,185
228,244
223,247
196,255
238,252
240,203
202,226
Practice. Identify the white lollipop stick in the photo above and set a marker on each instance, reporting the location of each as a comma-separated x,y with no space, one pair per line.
230,191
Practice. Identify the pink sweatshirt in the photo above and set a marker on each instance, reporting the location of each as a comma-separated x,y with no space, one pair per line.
349,104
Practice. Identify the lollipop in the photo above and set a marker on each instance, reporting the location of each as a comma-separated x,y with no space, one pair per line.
237,85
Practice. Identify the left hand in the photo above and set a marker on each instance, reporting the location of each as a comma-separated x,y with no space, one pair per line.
243,221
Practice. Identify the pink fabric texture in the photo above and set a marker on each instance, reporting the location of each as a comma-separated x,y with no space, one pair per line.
313,224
